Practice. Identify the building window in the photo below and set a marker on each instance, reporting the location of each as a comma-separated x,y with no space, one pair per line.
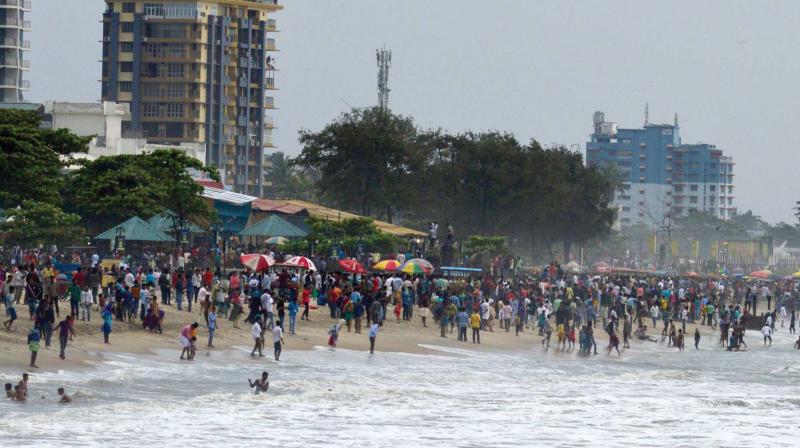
154,9
127,27
626,209
126,47
129,7
174,110
175,70
693,200
692,187
125,86
174,130
150,89
150,110
712,187
174,90
126,67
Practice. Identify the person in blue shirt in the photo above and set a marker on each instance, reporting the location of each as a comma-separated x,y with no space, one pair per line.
293,308
462,319
212,325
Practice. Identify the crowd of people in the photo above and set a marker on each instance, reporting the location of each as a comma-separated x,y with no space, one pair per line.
571,305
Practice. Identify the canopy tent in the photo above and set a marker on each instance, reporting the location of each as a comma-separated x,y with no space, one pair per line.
163,222
136,229
273,226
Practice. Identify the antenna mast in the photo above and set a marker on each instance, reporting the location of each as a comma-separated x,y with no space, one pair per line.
646,114
384,57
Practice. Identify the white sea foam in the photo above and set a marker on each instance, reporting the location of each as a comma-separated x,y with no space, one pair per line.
654,396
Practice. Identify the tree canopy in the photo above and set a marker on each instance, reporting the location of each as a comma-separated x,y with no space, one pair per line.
371,161
40,223
31,158
111,189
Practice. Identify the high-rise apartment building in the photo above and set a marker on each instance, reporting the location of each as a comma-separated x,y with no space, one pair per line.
661,176
13,46
196,72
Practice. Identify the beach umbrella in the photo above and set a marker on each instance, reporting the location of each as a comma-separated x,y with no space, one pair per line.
352,266
277,240
301,262
257,262
417,266
796,274
692,274
387,265
762,274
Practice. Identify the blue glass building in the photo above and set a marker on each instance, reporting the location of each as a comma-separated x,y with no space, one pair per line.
661,176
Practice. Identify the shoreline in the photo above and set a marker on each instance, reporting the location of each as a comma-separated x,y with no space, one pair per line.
400,337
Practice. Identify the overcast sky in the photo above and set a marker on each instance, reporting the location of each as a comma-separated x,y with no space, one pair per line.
538,69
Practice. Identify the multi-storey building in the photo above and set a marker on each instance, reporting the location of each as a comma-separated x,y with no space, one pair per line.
196,72
662,177
13,46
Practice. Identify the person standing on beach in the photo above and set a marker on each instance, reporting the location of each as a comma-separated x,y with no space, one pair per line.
212,325
373,333
277,340
766,330
257,334
475,322
462,319
697,338
33,345
108,320
613,342
65,333
11,309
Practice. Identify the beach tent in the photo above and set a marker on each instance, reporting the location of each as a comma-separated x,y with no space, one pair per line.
273,226
135,229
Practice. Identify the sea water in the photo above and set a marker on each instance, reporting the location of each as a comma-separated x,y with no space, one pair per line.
652,396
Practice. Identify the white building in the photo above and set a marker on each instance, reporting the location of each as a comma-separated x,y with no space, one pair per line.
104,121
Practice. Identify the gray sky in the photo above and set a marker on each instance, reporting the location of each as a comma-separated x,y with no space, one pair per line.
538,69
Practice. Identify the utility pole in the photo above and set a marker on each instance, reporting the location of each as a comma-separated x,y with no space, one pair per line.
384,58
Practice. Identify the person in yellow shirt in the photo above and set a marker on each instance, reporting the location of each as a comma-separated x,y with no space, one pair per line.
475,324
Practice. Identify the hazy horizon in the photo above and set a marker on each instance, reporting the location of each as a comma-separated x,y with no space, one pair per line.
537,69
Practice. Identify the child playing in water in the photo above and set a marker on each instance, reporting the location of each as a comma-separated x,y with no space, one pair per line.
261,385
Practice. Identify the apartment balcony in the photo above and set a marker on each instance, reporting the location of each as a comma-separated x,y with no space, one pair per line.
269,84
269,102
15,63
269,122
8,42
271,45
272,26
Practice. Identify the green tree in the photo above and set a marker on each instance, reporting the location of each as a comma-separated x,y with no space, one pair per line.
33,223
111,189
31,158
288,180
365,159
348,234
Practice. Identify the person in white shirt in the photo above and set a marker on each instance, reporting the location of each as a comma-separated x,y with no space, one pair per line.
766,330
257,335
266,309
87,300
202,296
373,333
277,340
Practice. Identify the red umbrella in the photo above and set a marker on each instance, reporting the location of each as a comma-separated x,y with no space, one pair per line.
352,266
257,262
301,262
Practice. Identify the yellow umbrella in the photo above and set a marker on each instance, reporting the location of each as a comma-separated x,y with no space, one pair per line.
387,265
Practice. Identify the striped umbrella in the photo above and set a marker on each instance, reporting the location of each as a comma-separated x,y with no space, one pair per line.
387,265
417,266
257,262
352,266
301,262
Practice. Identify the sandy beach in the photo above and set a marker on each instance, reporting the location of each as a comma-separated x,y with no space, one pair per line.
394,336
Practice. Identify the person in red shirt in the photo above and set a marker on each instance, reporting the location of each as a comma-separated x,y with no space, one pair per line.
207,277
80,278
306,300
